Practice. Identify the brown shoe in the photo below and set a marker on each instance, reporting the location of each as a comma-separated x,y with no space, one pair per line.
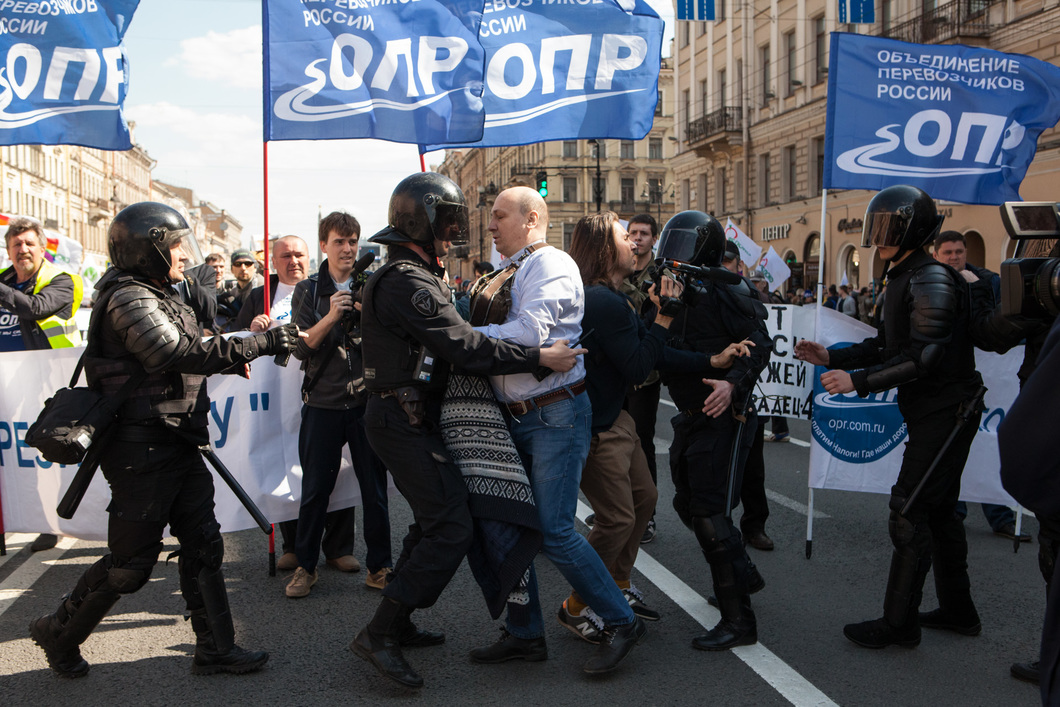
287,562
759,540
378,580
300,583
346,563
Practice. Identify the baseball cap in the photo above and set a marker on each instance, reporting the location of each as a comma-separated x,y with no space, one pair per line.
242,256
731,250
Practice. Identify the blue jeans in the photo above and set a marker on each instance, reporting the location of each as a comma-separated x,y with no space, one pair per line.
553,442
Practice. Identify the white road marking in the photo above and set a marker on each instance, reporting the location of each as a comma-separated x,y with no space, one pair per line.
21,580
799,442
792,504
13,542
780,676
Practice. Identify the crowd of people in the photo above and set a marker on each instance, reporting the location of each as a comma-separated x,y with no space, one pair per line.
553,365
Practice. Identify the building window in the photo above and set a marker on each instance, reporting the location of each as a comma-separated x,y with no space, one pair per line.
628,195
820,50
685,33
767,77
720,185
721,88
701,193
687,106
626,150
568,233
789,167
570,190
704,97
601,147
789,69
655,148
764,186
886,16
570,148
719,9
600,186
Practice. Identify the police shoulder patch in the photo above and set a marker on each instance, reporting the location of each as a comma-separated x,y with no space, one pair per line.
424,302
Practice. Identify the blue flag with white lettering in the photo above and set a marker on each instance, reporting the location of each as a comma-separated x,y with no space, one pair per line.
400,71
566,71
961,123
64,73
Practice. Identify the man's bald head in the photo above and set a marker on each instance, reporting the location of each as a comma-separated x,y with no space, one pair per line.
290,259
519,217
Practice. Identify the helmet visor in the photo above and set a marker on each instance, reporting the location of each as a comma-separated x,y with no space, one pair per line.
448,221
884,229
677,244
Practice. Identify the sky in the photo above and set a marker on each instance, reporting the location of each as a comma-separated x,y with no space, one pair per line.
195,96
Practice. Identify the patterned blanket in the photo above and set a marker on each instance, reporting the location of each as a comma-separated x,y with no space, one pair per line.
507,532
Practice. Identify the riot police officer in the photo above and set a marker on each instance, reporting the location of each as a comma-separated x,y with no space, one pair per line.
152,462
411,333
924,349
707,428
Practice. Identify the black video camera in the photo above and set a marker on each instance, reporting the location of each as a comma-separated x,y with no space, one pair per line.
1030,282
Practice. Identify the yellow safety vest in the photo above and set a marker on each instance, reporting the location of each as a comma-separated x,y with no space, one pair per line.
61,333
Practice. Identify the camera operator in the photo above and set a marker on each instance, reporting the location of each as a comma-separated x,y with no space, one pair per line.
707,428
997,331
925,350
334,396
1031,473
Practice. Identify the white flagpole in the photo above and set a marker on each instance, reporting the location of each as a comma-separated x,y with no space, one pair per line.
817,328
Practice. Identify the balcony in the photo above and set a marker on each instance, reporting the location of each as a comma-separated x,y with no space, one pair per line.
722,128
963,19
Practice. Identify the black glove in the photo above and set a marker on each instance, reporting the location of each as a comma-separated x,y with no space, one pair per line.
280,341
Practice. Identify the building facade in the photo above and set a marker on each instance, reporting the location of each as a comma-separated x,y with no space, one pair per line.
626,176
749,100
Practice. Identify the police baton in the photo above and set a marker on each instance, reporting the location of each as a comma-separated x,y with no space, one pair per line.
964,413
77,488
734,456
224,473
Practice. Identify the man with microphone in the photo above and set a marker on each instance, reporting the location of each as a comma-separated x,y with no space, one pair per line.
334,396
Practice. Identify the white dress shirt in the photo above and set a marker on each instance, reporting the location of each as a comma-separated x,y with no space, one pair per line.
548,302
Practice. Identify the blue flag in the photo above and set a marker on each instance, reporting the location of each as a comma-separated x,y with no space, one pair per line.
961,123
64,73
400,71
568,71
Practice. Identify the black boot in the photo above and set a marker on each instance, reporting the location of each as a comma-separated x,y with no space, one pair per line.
411,636
737,627
215,647
900,624
380,643
615,644
62,633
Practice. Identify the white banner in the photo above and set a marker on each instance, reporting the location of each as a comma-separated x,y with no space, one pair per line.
785,388
750,251
858,443
253,428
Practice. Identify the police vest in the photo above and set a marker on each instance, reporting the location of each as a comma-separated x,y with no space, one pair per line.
61,333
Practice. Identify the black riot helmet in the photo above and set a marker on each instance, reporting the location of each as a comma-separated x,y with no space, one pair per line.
424,207
141,236
901,216
692,237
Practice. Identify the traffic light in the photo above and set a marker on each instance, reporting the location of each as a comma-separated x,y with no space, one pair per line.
791,259
542,183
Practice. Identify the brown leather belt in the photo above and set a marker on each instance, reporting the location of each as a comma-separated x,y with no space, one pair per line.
524,406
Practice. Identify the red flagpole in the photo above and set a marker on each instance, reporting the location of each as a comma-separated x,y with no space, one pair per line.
268,299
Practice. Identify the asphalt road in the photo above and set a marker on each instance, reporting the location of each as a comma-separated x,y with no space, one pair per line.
141,652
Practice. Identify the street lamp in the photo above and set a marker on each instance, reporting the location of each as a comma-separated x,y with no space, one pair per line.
598,187
653,192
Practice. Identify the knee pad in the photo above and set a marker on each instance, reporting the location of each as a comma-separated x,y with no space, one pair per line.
901,529
129,576
711,532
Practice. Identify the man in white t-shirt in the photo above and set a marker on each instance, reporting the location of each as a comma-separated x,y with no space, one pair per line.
290,260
